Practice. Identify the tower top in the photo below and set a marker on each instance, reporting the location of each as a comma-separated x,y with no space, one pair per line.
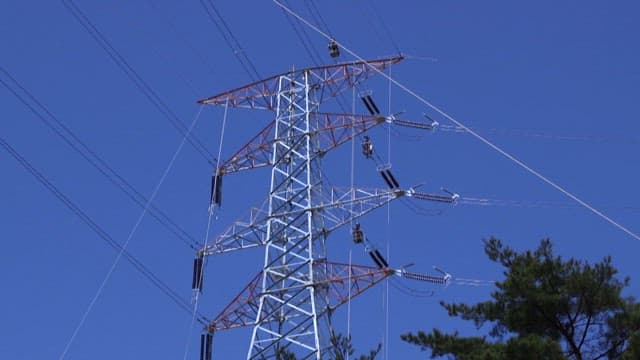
262,94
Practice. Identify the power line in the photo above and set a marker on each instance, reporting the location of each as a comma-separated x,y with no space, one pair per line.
311,7
235,39
304,39
116,261
384,25
135,77
475,134
409,291
527,133
71,139
536,204
311,50
103,234
203,59
547,135
232,41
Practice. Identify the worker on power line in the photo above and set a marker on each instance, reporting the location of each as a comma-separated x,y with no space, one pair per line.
367,147
334,50
358,235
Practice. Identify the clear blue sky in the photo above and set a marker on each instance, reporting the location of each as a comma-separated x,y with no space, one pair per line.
565,69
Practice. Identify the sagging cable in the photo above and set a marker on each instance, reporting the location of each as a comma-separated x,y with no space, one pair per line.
484,140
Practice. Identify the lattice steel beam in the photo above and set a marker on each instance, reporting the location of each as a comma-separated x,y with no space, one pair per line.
333,130
339,207
343,282
289,303
263,94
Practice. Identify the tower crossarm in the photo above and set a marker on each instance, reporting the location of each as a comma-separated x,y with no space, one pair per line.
339,207
333,79
332,131
348,204
343,281
241,311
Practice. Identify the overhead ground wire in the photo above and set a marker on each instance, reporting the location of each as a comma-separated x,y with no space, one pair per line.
45,115
384,26
203,59
312,8
470,131
103,234
135,77
232,41
538,134
129,237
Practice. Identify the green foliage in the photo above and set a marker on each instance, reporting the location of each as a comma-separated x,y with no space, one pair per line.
341,349
546,308
285,354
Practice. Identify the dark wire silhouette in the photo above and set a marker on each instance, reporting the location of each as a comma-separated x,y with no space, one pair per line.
154,279
71,139
138,81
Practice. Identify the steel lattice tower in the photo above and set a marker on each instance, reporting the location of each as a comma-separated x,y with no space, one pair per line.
289,303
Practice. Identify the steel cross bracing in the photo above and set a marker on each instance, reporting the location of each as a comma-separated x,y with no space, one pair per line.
337,208
343,282
290,302
327,82
290,307
333,130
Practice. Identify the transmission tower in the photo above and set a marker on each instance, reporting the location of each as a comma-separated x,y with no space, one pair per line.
290,302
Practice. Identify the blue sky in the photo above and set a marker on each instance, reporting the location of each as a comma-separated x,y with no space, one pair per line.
514,71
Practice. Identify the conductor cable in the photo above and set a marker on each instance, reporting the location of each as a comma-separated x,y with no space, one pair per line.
470,131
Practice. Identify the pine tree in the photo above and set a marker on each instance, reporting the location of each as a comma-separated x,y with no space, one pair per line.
545,309
341,349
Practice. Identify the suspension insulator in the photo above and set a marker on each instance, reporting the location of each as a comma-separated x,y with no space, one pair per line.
196,282
382,259
216,190
202,345
425,278
436,197
375,259
206,346
370,105
389,179
393,179
378,259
